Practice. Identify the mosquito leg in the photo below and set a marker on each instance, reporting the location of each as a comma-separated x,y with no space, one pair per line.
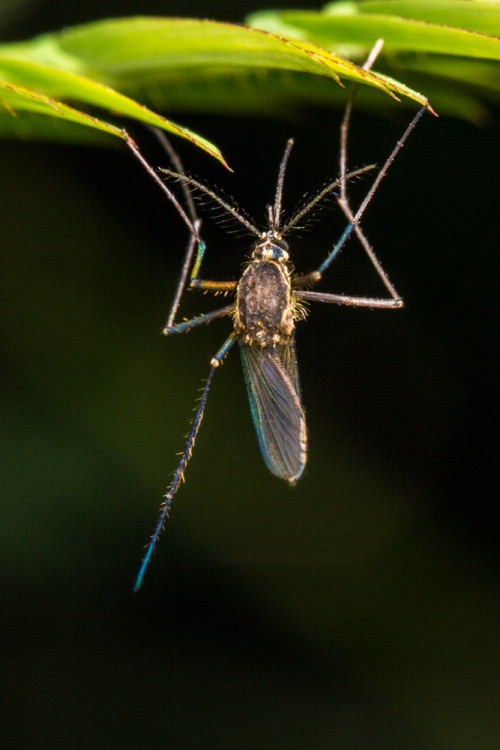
187,325
307,279
213,286
181,284
372,256
344,128
192,222
359,213
343,199
344,299
188,257
194,282
149,169
186,455
175,159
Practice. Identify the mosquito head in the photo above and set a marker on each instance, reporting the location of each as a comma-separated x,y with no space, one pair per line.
271,247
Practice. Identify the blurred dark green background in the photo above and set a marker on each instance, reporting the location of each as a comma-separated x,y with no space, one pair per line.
357,610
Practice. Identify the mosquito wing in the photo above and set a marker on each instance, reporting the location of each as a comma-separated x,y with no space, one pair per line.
288,357
272,382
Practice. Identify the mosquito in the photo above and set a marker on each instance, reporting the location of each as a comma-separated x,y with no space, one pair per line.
268,302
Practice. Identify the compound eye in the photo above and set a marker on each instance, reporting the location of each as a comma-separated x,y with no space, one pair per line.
257,251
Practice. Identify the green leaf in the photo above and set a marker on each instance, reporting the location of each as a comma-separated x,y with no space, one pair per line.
482,16
126,51
399,34
17,99
185,63
425,43
27,77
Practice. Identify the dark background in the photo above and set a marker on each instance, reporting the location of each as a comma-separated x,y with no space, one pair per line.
356,610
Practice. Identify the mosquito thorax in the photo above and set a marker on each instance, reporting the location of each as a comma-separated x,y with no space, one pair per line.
264,312
271,247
